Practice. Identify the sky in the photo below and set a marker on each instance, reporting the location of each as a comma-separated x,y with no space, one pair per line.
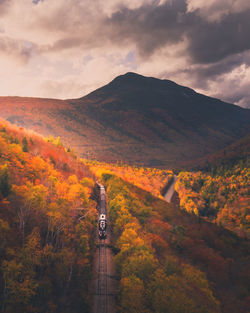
68,48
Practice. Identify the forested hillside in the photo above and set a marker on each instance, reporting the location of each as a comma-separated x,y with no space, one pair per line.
47,223
167,260
170,261
150,179
221,194
223,159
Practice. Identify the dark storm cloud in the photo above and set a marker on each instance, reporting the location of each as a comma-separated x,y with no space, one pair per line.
233,88
148,27
201,73
153,26
213,41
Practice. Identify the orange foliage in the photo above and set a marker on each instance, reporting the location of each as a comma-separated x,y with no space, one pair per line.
43,190
150,179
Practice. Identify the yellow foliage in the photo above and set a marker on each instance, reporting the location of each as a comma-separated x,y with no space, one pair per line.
73,180
129,238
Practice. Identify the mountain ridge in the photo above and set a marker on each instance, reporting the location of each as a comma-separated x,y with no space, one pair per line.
132,77
136,119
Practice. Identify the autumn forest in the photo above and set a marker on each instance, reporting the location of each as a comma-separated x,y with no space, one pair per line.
186,256
45,248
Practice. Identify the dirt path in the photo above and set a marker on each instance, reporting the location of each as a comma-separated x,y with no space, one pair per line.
170,192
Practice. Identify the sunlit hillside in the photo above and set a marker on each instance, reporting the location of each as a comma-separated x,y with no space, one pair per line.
44,248
150,179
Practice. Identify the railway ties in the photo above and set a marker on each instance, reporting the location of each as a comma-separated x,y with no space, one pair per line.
105,282
102,281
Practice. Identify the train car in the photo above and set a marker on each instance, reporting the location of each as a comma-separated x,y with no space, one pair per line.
102,189
102,207
102,226
102,200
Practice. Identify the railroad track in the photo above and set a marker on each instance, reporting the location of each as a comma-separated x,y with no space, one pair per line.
102,283
104,278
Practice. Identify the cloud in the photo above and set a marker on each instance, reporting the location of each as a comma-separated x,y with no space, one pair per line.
4,4
36,1
78,45
153,26
150,26
20,51
211,42
214,10
97,70
234,87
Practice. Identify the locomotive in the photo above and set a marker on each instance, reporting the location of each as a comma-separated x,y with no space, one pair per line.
102,220
102,225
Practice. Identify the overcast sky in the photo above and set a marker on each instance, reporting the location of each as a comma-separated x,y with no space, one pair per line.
67,48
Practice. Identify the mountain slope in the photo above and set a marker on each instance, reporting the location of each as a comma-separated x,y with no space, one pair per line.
238,151
45,246
135,119
157,245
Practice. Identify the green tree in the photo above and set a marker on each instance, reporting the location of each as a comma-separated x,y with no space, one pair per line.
177,293
142,264
25,145
4,231
132,295
5,186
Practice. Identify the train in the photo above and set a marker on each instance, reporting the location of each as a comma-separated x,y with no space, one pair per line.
102,201
102,220
102,226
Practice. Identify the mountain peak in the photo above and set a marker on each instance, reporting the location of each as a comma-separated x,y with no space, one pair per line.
134,80
129,76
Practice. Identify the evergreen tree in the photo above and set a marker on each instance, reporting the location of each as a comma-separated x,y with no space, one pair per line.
5,186
25,145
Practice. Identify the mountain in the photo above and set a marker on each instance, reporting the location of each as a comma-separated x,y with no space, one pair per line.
238,151
136,119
